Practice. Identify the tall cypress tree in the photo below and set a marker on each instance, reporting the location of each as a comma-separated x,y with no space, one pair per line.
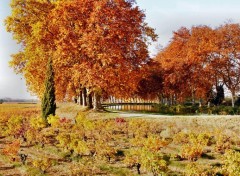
48,100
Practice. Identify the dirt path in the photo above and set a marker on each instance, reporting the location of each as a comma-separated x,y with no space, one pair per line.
8,169
70,110
144,115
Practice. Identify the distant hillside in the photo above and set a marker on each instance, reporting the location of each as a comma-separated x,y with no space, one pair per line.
9,100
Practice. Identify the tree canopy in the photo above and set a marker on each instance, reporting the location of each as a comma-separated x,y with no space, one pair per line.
201,58
101,45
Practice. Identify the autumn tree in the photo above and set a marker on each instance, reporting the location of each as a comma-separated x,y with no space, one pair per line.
29,23
29,27
151,85
200,48
106,48
225,60
98,45
176,68
186,63
200,59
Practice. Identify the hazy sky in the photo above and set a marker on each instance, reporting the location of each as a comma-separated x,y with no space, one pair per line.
163,15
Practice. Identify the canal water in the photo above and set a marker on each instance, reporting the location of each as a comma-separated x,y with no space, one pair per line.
133,107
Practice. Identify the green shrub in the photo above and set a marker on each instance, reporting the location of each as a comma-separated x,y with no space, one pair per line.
178,109
195,109
224,110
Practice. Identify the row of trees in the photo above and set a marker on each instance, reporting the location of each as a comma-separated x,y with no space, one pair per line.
100,48
96,45
196,63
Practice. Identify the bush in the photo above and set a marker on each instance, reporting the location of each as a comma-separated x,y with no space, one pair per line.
225,110
54,121
195,109
194,148
191,152
231,163
154,162
37,123
222,142
178,109
15,126
12,149
43,164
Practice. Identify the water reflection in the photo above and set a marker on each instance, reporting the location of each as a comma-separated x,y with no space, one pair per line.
132,107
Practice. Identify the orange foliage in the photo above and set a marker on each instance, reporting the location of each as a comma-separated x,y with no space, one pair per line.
101,45
200,57
12,149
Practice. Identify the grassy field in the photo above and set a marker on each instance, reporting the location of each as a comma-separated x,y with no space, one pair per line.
81,142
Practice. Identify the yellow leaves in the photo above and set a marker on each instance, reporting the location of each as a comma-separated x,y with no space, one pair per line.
43,163
37,30
37,123
18,62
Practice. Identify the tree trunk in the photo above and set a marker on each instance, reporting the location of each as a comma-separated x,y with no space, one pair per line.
160,98
75,99
193,97
233,98
80,99
89,101
220,95
84,97
209,104
138,168
172,100
163,100
96,101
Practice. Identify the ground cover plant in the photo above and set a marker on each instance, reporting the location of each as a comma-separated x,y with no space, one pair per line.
108,144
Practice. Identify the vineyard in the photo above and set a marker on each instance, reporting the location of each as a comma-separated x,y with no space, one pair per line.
100,55
107,144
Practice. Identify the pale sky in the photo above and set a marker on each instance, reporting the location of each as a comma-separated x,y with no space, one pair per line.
165,16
